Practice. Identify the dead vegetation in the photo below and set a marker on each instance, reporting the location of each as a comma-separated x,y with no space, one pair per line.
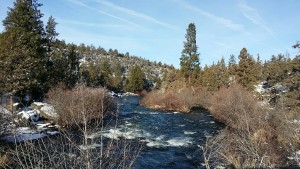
255,137
80,105
182,100
85,112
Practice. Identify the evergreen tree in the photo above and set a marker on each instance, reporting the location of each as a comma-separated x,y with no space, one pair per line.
51,33
106,74
209,78
221,73
232,68
189,60
22,55
195,77
136,79
247,71
117,79
276,69
72,67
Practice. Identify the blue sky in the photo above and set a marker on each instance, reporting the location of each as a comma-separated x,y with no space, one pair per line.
155,29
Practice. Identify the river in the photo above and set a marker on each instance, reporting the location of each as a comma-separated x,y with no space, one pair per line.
172,138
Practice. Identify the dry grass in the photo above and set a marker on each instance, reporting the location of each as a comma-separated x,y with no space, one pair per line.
182,100
255,137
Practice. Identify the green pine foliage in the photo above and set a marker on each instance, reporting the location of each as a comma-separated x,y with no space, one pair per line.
189,60
106,74
247,70
136,80
22,55
276,70
71,74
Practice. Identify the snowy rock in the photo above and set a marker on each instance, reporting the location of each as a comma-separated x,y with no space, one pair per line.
4,111
29,114
47,109
130,94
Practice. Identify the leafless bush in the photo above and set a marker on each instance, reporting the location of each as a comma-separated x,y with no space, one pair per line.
81,104
181,100
255,137
65,152
85,109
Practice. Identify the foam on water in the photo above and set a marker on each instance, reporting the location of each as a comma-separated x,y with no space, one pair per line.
127,133
180,141
189,132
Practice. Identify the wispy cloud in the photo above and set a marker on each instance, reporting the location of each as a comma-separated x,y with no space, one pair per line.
137,14
77,2
224,21
80,23
253,15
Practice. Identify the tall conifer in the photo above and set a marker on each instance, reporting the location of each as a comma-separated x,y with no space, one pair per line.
22,55
189,60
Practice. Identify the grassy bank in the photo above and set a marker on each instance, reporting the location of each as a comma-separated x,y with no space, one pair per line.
256,135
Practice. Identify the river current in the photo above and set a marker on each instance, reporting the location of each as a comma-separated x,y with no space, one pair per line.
172,139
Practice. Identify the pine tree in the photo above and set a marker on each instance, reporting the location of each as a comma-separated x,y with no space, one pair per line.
221,73
247,70
136,79
189,60
72,71
117,79
232,68
51,33
209,78
22,55
106,74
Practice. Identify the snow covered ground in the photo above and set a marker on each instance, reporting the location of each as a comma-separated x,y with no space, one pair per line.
34,128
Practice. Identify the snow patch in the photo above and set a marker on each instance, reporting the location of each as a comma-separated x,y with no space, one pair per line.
47,109
29,114
4,111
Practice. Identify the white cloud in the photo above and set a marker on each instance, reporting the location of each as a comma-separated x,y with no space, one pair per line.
137,14
224,21
106,13
76,22
253,15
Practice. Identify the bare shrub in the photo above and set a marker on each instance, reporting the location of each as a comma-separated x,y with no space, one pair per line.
65,152
255,137
80,105
85,147
181,100
233,106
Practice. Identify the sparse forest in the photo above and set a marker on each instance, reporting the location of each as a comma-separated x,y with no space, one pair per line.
257,102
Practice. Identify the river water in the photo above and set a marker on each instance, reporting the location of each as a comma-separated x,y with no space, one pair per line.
171,139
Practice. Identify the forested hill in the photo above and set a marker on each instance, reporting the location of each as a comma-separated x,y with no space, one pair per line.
33,59
95,60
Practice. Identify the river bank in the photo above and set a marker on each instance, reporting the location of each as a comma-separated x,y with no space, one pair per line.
256,135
